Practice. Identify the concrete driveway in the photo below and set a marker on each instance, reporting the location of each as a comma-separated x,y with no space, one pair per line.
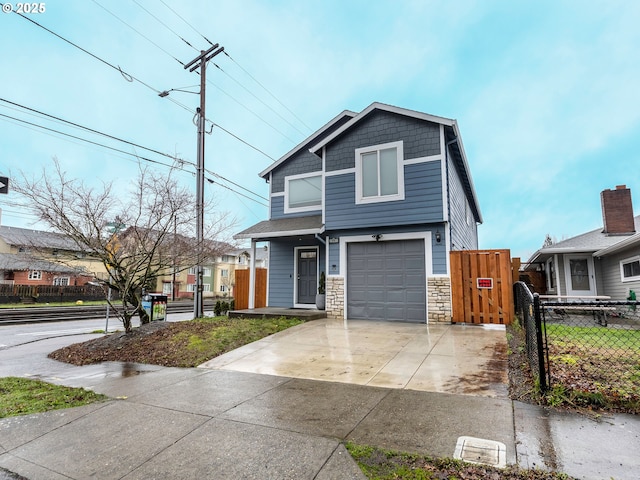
461,359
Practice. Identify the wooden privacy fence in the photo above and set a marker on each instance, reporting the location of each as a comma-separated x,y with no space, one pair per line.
482,286
241,291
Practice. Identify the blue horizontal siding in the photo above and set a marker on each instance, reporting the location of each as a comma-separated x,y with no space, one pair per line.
422,203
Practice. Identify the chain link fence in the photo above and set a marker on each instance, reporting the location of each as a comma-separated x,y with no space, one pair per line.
587,353
527,309
594,351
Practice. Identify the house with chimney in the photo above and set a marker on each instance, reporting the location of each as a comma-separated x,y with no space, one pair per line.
602,262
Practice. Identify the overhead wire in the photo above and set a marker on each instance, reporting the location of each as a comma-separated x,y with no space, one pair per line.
233,183
268,91
210,180
135,30
125,74
256,97
165,25
173,157
188,24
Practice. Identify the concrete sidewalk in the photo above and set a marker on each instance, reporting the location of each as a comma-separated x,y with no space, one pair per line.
221,423
195,423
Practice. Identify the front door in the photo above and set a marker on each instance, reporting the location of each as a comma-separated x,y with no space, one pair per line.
579,275
307,271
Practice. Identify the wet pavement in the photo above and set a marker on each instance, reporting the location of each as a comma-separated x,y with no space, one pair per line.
418,392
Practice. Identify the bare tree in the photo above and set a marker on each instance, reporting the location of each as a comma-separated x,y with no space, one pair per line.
137,237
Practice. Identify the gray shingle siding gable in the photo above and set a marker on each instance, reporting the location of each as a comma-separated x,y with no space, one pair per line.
422,203
420,138
303,161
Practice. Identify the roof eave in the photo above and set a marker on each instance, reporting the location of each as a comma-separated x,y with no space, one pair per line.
280,234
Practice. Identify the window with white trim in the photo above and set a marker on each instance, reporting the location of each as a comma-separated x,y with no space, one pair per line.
35,275
192,271
61,281
630,269
302,193
224,273
206,271
551,275
380,173
224,288
191,287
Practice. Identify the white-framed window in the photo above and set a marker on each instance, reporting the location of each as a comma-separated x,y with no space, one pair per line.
206,271
380,173
35,275
224,273
192,271
224,288
630,269
191,287
61,281
302,193
166,288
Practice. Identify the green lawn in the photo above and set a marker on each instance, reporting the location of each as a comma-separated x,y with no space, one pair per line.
23,396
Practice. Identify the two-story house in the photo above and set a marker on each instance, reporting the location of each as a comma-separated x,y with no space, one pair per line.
376,200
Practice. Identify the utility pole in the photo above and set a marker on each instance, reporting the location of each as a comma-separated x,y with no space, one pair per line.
201,62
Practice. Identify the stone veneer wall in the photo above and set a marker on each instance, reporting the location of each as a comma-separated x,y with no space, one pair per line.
334,297
439,298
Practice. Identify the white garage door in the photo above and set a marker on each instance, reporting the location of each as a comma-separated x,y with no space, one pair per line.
386,281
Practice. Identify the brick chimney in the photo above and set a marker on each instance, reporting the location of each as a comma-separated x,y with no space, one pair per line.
617,211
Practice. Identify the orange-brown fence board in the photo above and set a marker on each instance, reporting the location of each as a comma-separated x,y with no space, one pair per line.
241,290
481,305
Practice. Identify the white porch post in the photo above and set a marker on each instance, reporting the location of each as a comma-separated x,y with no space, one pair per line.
252,275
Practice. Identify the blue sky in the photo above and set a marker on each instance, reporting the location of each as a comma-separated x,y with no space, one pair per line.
546,94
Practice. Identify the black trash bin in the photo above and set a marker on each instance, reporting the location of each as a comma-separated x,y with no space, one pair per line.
155,305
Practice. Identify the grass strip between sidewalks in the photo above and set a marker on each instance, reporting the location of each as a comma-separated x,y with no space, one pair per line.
23,396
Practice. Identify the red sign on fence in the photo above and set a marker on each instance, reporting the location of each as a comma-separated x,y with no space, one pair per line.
485,282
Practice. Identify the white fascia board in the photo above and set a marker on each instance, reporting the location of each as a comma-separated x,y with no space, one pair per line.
386,108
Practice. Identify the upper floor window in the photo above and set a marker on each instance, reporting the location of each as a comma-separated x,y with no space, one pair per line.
224,273
35,275
302,193
380,173
630,269
206,271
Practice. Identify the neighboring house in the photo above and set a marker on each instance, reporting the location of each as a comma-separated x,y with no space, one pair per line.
218,274
605,261
376,200
35,257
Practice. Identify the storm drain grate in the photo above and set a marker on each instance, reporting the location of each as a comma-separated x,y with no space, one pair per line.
479,450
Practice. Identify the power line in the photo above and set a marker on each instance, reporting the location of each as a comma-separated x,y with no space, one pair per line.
130,78
268,91
138,157
173,157
192,27
138,32
210,180
256,97
233,183
164,24
85,140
